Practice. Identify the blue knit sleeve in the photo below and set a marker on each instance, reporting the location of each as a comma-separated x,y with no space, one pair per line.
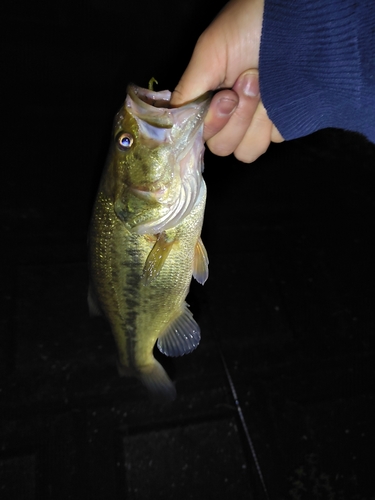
317,65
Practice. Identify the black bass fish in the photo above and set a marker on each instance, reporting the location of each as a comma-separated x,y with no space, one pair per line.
145,231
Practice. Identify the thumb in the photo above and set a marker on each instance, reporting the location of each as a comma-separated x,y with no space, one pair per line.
201,75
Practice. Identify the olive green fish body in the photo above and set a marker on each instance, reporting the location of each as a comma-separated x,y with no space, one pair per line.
145,235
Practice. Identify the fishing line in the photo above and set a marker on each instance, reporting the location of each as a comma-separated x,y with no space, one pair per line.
244,426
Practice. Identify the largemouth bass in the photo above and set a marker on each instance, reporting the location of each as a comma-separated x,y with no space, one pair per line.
144,238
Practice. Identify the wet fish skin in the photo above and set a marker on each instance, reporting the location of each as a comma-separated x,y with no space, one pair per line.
145,230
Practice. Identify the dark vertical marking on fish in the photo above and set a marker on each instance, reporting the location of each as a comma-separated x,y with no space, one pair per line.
132,302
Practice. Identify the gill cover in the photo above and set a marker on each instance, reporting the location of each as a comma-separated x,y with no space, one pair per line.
166,161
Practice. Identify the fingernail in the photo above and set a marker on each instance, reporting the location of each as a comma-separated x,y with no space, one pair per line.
249,84
226,106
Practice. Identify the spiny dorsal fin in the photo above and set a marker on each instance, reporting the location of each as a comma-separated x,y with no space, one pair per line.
94,308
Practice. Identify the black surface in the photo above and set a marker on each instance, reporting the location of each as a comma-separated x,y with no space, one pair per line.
289,303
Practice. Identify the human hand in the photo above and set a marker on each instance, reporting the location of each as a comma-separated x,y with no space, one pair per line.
236,121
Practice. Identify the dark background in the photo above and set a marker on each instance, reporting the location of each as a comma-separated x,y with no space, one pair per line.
289,303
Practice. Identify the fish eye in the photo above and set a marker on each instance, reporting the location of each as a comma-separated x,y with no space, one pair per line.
124,140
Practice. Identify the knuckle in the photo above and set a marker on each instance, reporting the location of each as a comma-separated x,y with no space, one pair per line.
219,148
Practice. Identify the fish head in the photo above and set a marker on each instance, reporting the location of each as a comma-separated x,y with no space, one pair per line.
156,159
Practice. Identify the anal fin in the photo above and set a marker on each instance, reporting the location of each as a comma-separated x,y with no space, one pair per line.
181,337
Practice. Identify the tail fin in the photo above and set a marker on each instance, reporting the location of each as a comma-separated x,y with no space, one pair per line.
158,383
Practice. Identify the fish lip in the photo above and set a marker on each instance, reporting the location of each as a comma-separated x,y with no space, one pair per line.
160,99
146,97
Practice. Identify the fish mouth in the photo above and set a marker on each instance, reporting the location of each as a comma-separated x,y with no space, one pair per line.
149,106
154,107
160,99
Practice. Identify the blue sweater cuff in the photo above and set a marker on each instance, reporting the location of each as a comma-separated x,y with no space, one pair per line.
317,65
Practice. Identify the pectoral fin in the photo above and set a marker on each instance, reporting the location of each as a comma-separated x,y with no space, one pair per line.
157,257
181,337
200,270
